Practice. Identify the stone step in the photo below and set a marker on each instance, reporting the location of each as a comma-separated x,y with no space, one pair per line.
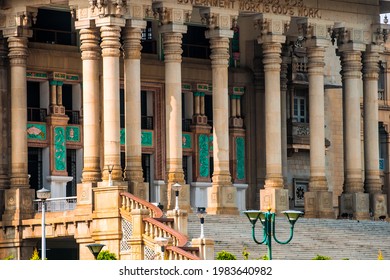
338,239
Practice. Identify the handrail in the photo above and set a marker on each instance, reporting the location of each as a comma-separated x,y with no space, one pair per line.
184,255
130,201
178,239
156,226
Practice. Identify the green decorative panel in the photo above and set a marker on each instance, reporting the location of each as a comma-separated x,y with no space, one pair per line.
123,136
147,139
187,143
36,75
36,131
59,148
240,152
73,134
204,164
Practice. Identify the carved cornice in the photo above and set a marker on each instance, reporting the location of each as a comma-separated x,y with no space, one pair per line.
19,22
168,13
272,28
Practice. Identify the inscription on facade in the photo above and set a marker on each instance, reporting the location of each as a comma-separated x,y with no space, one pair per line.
278,7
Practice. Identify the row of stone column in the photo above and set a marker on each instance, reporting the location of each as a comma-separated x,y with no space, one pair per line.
318,199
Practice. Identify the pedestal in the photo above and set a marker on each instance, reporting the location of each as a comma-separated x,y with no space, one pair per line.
180,218
199,194
241,196
222,200
57,185
84,204
379,205
276,199
206,248
355,205
319,205
18,204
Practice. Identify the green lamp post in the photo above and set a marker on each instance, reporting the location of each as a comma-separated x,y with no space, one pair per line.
267,219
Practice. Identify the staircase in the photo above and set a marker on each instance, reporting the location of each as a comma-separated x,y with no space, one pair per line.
338,239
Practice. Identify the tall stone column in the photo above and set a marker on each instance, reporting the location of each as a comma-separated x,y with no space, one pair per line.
4,124
132,74
272,37
172,28
318,200
110,45
90,55
18,199
222,197
353,200
372,181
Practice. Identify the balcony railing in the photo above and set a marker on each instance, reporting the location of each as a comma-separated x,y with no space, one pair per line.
50,36
74,116
36,114
59,204
298,133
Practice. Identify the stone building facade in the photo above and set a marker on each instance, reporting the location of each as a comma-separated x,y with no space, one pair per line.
247,104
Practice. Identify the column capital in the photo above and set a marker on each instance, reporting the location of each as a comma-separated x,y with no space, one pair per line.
351,38
219,51
132,42
219,19
172,46
110,40
371,63
316,33
90,49
272,28
17,50
17,22
169,13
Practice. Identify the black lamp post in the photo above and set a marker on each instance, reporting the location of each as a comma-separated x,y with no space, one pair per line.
95,249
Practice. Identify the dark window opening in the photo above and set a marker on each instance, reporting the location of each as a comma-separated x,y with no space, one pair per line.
35,168
34,112
67,102
208,104
54,27
122,107
185,168
195,44
148,44
71,167
146,168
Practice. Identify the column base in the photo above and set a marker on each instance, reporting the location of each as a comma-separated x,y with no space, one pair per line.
206,248
106,224
378,205
222,199
18,204
276,199
355,205
184,197
84,204
319,204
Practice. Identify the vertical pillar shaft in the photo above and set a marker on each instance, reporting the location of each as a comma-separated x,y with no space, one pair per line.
371,133
90,54
351,70
222,196
272,66
317,119
132,72
173,97
111,108
19,158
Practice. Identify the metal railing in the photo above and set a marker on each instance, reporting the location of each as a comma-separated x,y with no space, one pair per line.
36,114
57,204
74,116
51,36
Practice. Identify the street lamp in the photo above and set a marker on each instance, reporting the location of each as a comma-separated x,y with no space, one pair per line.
177,187
43,194
95,249
110,168
201,214
267,219
162,242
